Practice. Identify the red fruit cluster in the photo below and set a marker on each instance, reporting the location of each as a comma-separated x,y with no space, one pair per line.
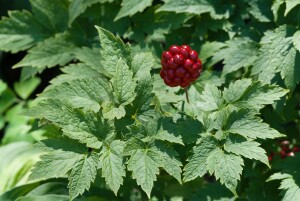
285,150
181,66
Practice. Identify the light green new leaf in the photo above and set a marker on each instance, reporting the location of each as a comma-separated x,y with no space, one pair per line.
113,169
296,40
26,87
130,7
290,188
123,84
54,165
290,4
83,93
141,64
78,7
226,167
49,53
246,94
196,166
20,31
52,13
144,165
243,122
112,49
211,98
278,54
216,9
85,126
82,175
248,149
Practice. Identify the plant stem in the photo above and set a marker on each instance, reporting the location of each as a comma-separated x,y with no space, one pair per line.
187,94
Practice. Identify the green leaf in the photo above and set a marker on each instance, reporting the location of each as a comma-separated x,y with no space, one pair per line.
144,164
243,122
44,198
248,149
83,173
113,169
85,126
211,98
278,54
3,86
290,4
86,93
236,53
49,53
25,88
216,9
208,49
196,166
78,7
110,111
112,49
261,10
296,40
244,94
290,188
123,84
55,164
226,167
52,13
130,7
141,64
21,31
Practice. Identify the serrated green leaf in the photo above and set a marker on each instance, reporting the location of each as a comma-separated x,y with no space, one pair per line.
236,53
278,54
49,53
167,131
261,10
196,166
208,49
296,40
113,169
243,95
112,50
243,122
85,126
52,13
86,93
169,161
130,7
216,9
211,98
248,149
110,111
290,188
226,167
123,84
54,165
78,7
82,175
3,86
141,64
21,31
144,167
290,4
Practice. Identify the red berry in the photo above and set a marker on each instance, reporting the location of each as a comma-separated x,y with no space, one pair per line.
188,64
184,84
296,149
180,72
170,74
179,59
164,64
193,55
166,55
195,75
177,80
167,80
187,47
187,77
172,64
282,154
174,49
184,53
162,73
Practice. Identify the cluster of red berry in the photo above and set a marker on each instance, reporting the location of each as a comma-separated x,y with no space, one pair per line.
181,66
285,150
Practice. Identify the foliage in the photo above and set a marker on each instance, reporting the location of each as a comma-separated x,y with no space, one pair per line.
107,122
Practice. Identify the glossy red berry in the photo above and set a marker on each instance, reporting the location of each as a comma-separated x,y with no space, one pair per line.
296,149
181,66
